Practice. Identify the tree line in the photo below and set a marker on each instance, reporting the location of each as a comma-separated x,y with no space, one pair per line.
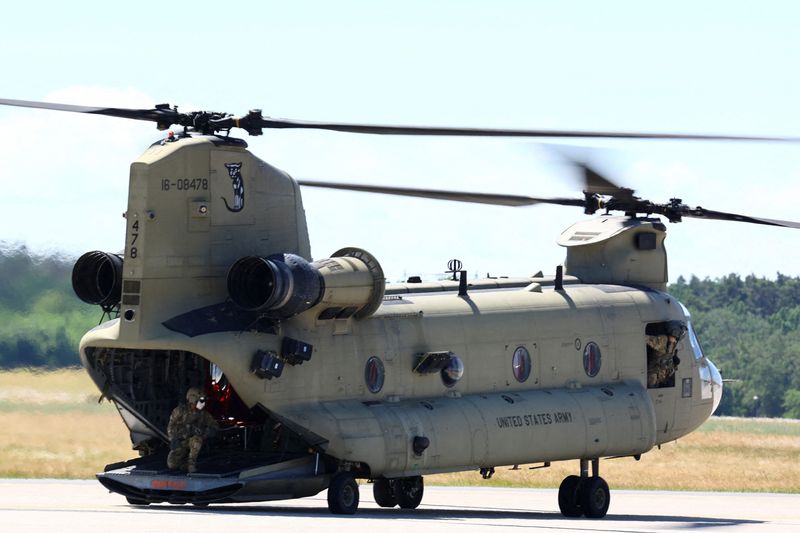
41,319
749,327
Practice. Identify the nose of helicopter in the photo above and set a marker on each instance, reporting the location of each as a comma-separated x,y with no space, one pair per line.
716,384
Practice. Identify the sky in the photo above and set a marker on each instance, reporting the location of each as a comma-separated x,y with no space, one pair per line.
679,66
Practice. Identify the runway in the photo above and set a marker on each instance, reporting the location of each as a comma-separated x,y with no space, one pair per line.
85,506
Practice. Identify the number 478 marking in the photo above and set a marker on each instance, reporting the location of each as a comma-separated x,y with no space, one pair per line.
133,252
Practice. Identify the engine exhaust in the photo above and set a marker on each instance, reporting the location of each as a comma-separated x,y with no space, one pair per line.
350,283
97,278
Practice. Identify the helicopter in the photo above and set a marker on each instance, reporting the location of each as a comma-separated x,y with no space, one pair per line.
320,373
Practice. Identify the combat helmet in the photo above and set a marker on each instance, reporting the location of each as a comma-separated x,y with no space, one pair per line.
676,328
193,394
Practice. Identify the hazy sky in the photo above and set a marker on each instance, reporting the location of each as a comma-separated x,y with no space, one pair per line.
715,67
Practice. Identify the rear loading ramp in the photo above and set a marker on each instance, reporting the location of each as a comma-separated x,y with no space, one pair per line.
241,477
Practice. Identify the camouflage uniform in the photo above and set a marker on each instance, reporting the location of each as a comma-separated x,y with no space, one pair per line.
660,359
188,428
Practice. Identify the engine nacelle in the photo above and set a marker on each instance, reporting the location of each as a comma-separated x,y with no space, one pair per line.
349,283
97,278
284,284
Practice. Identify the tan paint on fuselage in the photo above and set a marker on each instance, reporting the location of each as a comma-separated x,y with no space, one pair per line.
182,257
327,394
183,254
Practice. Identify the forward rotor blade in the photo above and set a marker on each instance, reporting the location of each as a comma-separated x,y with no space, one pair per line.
511,200
492,132
593,181
596,183
699,212
161,115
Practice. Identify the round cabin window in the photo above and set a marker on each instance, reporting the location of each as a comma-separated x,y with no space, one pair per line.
374,374
591,359
521,364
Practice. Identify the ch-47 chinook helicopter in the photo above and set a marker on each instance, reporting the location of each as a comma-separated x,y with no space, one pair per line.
319,373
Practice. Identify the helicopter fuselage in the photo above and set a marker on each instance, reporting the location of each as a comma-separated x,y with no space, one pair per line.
382,381
585,393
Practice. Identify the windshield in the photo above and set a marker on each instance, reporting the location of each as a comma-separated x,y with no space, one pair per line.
709,375
693,340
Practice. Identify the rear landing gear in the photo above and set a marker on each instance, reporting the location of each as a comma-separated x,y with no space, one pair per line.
383,492
343,494
404,491
584,495
409,492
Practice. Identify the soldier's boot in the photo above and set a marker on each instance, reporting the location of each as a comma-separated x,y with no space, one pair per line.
195,444
177,458
172,462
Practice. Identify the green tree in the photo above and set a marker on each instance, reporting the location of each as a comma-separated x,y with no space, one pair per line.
41,320
791,403
751,329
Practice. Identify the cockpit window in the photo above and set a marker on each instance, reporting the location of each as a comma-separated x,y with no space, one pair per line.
698,351
705,368
706,382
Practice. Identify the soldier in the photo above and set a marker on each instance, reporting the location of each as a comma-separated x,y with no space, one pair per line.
189,425
662,360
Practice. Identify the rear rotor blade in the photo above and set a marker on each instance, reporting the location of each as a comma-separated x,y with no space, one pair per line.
511,200
253,122
492,132
161,114
47,105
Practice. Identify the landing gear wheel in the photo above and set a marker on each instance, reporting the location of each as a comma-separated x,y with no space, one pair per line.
343,494
383,493
569,497
136,501
408,491
595,497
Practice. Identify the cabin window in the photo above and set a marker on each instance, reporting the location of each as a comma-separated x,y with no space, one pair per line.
661,341
591,359
374,374
521,364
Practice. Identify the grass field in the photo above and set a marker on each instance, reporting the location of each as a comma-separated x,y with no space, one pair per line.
53,426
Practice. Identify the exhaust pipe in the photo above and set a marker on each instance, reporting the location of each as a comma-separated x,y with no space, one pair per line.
284,284
97,278
350,283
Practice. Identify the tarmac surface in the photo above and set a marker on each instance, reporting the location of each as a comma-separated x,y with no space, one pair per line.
68,505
